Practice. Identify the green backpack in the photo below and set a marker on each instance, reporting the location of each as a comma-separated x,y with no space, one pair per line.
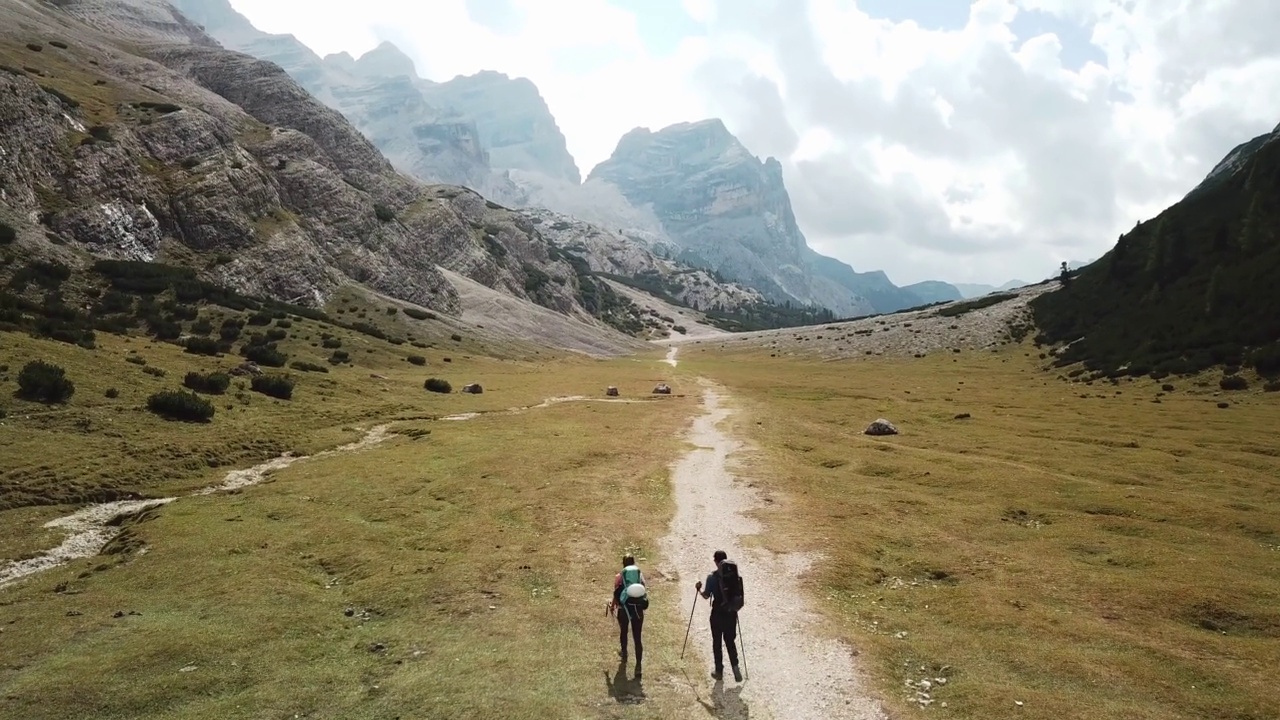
631,576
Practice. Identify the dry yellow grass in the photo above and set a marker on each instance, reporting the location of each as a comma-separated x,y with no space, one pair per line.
1092,557
474,556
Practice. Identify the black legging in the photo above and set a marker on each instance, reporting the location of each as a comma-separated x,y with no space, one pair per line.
724,627
636,620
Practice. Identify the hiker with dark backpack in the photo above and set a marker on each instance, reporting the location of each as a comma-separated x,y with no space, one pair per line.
630,600
724,588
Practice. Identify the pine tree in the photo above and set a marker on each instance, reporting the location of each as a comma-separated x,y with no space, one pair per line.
1156,258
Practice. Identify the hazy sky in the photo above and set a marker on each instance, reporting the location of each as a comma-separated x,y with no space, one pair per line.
933,139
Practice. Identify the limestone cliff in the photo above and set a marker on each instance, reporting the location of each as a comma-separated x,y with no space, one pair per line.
380,93
168,147
515,124
730,211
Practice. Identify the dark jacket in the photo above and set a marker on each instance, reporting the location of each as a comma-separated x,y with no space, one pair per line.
712,587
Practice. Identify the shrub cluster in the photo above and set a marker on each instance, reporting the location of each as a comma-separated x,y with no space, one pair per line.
417,360
212,383
305,366
436,385
277,386
44,382
201,346
180,405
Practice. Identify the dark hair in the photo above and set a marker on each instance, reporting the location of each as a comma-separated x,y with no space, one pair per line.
628,560
720,555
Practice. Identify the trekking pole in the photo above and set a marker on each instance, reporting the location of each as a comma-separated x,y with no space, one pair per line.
743,641
690,626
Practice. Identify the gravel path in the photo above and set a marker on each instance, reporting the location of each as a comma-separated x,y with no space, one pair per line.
791,672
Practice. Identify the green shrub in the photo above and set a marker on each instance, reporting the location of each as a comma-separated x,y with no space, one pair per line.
44,382
213,383
7,233
180,405
260,318
436,385
417,360
201,346
1233,382
384,213
136,360
417,314
202,327
264,355
305,366
286,324
392,311
276,386
112,393
154,371
339,356
277,334
330,343
455,337
1271,386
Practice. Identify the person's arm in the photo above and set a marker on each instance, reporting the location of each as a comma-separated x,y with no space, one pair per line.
617,585
706,595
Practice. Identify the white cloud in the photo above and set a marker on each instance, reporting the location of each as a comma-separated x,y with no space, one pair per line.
966,154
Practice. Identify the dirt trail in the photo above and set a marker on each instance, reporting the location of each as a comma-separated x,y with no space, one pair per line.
792,673
88,529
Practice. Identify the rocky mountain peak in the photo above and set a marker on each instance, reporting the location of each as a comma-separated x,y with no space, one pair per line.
516,125
386,60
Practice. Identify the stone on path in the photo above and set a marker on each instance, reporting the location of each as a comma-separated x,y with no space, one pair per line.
881,427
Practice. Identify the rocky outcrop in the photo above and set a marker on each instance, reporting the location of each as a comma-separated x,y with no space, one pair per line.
730,211
516,126
177,150
617,256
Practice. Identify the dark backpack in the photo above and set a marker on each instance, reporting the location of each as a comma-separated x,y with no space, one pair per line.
731,595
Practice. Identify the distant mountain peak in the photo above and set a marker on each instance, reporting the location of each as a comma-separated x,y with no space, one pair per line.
386,60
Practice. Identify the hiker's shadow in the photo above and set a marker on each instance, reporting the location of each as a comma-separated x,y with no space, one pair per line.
622,689
726,703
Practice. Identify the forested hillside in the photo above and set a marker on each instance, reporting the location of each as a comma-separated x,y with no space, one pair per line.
1195,287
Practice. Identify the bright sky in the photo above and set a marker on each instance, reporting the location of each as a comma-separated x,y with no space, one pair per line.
933,139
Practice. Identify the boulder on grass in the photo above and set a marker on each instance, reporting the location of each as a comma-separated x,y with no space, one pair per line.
881,427
611,391
473,388
662,389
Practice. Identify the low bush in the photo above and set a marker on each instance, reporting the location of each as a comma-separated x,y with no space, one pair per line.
1271,386
154,371
264,355
201,346
1233,382
44,382
136,360
384,213
112,393
416,360
260,318
339,356
305,366
286,324
276,386
180,405
201,327
436,385
213,383
330,343
7,233
455,337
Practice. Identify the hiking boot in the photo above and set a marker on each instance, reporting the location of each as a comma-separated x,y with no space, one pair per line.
717,673
622,654
737,674
638,673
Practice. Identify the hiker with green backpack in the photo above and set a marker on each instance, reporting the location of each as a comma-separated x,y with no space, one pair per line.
630,600
724,588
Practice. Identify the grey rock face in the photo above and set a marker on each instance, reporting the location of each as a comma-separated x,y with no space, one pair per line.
184,152
726,208
618,255
514,121
380,93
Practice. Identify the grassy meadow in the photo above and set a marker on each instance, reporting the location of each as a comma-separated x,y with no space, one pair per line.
1066,551
458,569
